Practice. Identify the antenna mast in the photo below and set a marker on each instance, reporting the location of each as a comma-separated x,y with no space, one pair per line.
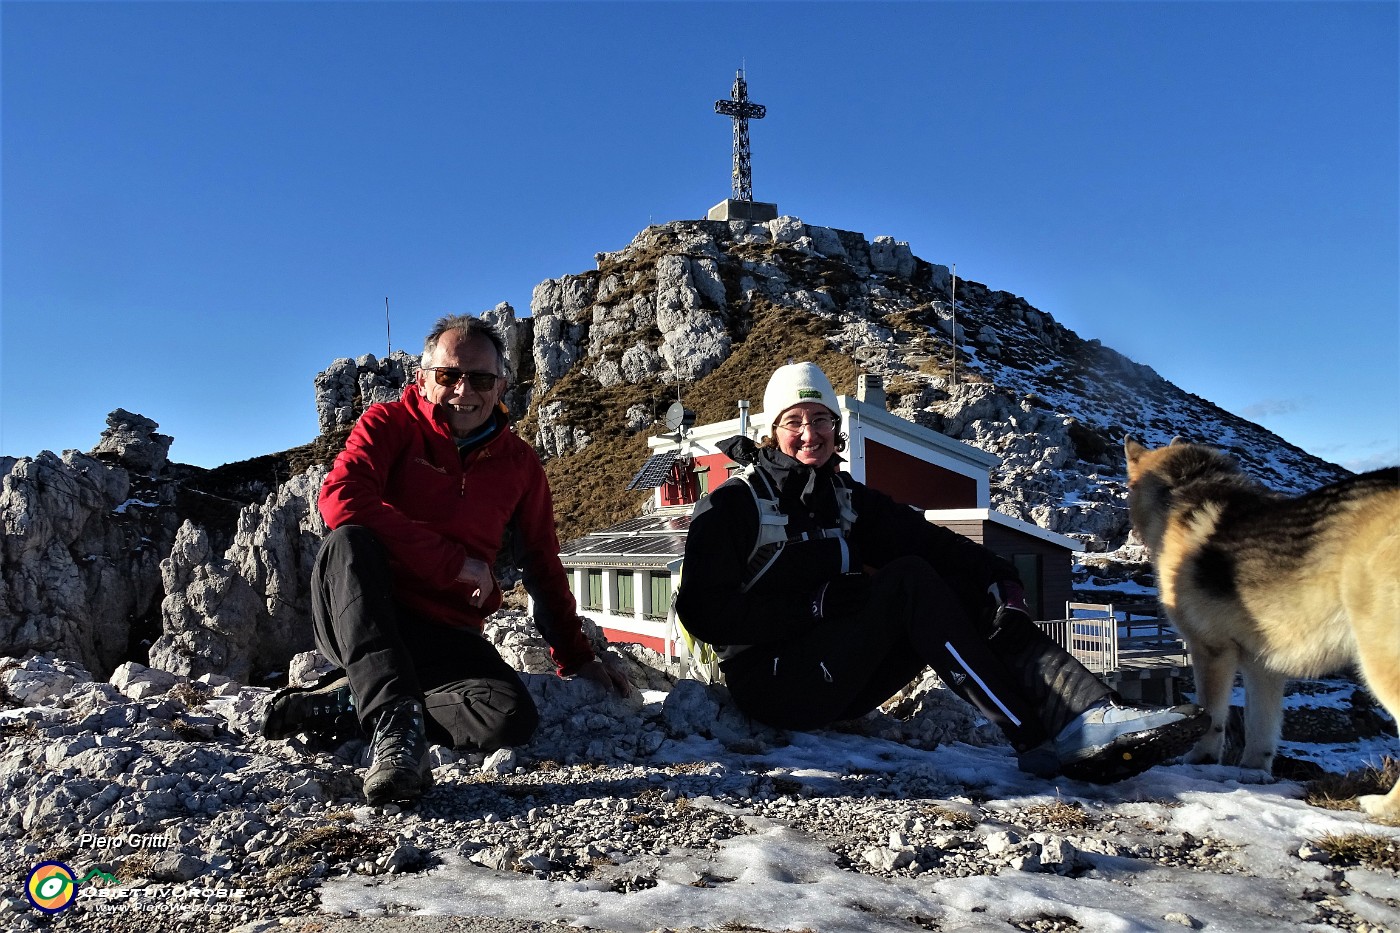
953,336
387,339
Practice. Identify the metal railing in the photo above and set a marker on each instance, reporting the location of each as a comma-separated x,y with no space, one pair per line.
1092,641
1098,638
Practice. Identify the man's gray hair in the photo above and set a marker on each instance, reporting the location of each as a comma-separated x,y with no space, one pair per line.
469,327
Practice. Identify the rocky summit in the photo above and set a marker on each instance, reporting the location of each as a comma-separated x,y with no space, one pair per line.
708,309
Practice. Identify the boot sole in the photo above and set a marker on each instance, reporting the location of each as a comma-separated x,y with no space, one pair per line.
1132,754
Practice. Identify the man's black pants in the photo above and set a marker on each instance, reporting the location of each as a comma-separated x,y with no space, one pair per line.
1016,676
472,697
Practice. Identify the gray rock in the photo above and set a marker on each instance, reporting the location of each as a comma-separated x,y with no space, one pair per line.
36,680
826,242
209,615
177,866
79,556
251,607
335,394
891,257
691,708
501,761
140,682
133,441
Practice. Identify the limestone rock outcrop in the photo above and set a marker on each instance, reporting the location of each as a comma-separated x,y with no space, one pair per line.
132,440
346,387
249,609
79,555
90,557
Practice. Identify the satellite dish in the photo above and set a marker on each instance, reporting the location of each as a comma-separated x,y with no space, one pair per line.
678,416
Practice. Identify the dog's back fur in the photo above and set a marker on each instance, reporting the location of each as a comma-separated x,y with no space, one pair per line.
1276,586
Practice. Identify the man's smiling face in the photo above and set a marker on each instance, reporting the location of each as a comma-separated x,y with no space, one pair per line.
466,409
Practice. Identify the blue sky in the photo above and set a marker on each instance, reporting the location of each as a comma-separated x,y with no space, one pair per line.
204,204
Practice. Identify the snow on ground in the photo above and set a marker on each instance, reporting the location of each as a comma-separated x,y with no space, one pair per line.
782,879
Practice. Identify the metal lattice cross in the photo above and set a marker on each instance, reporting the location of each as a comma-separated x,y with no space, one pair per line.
742,111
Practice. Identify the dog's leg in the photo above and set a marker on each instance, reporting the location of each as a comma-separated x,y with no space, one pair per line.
1263,716
1382,672
1371,594
1214,668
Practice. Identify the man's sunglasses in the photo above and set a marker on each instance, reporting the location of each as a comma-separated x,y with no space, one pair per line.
447,377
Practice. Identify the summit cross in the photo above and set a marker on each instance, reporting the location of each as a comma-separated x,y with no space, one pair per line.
741,110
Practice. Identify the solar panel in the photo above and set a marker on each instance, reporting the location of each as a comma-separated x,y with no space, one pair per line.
639,525
654,472
622,547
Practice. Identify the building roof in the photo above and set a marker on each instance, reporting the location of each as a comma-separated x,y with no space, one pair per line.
649,542
1001,518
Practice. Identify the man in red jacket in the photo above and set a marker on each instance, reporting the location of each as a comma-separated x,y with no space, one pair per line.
419,502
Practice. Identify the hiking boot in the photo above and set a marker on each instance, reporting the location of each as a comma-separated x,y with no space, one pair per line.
325,710
1113,740
399,770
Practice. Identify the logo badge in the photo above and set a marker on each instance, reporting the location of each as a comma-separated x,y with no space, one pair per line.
809,393
51,887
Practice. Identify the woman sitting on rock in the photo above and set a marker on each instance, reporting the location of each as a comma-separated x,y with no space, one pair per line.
824,597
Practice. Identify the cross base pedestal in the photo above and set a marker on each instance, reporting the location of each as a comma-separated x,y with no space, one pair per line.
751,211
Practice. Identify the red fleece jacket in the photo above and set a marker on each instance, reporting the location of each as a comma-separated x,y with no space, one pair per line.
401,477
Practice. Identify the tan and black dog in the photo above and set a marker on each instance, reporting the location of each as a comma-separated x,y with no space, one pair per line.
1272,585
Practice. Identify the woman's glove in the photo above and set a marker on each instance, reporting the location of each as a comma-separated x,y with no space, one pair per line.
841,596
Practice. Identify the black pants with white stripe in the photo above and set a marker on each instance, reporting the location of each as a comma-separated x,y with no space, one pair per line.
1016,676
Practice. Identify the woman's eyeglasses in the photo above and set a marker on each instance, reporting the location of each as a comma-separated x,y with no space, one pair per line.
822,424
447,377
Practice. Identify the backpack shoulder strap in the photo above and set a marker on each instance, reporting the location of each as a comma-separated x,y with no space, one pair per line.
845,501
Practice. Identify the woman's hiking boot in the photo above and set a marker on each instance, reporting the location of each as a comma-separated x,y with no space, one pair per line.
1114,740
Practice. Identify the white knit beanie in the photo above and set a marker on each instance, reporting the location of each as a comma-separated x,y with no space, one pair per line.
794,384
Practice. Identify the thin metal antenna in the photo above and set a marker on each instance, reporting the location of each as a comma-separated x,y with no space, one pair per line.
953,336
387,339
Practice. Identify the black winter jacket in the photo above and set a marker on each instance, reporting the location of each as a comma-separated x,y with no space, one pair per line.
709,601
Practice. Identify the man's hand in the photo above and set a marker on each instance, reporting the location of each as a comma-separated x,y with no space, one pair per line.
477,574
606,675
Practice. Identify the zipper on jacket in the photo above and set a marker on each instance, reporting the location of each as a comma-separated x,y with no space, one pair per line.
481,453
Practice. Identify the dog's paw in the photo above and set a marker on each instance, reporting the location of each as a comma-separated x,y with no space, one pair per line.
1255,776
1380,807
